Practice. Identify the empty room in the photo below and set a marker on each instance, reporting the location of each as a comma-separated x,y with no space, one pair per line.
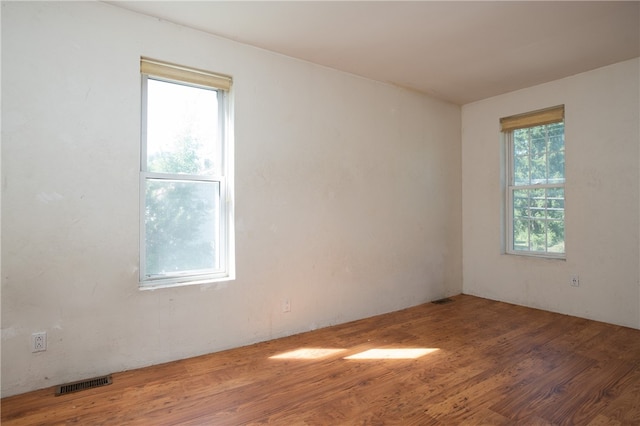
320,213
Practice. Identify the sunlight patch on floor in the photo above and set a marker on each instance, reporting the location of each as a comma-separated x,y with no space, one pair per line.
377,353
307,353
393,353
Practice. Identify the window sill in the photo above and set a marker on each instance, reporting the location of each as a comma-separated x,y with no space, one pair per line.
526,255
183,281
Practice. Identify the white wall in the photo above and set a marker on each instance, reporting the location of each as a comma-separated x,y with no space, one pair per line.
602,216
348,197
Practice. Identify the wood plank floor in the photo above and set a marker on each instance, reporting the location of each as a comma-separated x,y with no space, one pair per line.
483,362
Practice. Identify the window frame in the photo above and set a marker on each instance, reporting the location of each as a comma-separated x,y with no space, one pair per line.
226,271
528,121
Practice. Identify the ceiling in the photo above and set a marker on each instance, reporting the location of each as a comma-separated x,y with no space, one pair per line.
457,51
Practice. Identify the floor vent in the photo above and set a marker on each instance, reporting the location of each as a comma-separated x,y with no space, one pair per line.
442,301
83,384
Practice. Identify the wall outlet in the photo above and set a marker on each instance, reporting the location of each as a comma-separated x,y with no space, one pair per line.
286,305
39,342
574,281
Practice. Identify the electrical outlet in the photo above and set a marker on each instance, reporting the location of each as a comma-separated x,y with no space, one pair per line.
286,305
39,342
574,281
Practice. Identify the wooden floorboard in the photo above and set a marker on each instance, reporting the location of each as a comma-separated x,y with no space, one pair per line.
491,363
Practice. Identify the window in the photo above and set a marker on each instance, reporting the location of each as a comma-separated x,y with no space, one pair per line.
535,183
186,185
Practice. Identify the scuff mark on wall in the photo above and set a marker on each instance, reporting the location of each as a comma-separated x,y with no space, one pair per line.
213,286
9,333
49,197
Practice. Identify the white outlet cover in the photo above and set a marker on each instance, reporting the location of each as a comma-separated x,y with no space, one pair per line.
39,342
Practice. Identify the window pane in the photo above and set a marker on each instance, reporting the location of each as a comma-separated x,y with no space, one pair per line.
521,234
539,169
182,129
538,155
556,167
521,175
538,235
537,202
556,196
538,214
555,203
538,220
181,220
556,136
555,236
520,204
521,142
538,141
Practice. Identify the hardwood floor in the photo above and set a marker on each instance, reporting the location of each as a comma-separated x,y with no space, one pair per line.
482,362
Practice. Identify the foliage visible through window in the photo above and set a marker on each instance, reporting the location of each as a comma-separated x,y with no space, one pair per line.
185,235
535,193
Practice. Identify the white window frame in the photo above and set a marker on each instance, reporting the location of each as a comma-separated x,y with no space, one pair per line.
170,73
511,187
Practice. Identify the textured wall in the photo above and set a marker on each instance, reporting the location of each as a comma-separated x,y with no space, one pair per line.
602,124
348,197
